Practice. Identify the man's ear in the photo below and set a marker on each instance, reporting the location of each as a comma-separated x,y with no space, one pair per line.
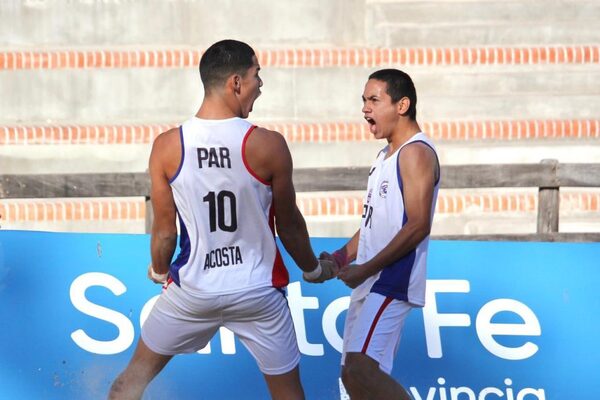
237,83
403,105
234,83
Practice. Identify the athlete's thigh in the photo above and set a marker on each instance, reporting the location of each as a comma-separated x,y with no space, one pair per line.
377,328
354,311
179,323
263,323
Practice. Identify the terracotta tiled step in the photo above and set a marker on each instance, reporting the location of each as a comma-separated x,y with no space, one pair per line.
305,57
455,202
100,209
309,132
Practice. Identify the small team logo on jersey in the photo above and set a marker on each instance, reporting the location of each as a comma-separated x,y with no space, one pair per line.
383,189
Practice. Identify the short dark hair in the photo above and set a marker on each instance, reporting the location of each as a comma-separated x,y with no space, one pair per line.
399,85
223,59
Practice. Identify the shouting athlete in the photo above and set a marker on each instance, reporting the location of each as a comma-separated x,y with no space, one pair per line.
384,262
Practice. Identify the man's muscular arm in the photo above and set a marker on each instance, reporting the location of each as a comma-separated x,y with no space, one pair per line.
270,158
164,230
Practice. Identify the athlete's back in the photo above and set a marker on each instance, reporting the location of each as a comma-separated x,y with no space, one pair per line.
230,185
227,244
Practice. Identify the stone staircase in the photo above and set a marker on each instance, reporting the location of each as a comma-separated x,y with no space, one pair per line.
87,87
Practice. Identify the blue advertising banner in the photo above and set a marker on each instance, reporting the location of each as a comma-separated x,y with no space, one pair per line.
514,321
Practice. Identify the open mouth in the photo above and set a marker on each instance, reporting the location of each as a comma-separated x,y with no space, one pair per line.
372,124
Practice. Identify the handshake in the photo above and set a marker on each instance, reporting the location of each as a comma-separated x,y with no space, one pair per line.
327,268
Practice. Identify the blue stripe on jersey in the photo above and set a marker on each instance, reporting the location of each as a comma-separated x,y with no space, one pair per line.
399,175
182,155
394,279
184,253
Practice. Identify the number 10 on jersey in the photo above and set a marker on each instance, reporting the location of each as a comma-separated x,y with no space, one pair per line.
217,205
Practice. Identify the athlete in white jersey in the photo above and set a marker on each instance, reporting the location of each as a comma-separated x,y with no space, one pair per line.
383,217
230,184
225,213
389,252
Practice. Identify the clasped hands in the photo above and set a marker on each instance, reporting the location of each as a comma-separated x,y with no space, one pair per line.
335,265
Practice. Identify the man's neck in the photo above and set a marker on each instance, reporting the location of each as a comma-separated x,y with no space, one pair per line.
214,107
402,134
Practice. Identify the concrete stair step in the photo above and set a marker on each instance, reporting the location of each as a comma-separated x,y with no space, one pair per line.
126,148
134,158
452,82
465,22
195,23
328,214
161,94
327,22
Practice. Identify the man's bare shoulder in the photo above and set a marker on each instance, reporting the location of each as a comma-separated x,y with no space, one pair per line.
166,152
268,134
419,156
166,138
267,153
418,152
166,144
267,141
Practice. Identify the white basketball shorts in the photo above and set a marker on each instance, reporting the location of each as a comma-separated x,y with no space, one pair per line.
260,318
373,327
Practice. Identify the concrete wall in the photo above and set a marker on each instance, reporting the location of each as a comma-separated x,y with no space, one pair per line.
483,22
183,23
299,94
459,90
383,23
490,91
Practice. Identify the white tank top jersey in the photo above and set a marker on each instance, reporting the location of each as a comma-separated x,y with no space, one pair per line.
383,217
227,240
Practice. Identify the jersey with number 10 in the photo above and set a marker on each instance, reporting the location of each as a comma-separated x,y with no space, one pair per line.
227,242
383,217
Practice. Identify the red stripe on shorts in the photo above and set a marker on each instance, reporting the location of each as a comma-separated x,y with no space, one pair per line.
168,282
387,301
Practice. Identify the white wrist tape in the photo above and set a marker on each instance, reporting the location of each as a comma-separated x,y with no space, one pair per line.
314,274
158,277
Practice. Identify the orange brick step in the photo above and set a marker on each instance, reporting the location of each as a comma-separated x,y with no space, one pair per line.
316,132
304,57
100,209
